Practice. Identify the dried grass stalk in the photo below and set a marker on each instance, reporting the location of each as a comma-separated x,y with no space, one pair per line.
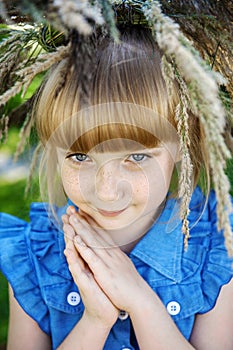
203,90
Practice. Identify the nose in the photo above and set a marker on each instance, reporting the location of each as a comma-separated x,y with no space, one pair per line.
108,181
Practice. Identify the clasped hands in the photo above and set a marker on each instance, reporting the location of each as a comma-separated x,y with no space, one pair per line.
106,278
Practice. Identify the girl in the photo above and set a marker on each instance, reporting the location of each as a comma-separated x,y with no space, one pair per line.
110,270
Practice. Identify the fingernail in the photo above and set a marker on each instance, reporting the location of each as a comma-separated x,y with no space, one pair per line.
64,219
72,209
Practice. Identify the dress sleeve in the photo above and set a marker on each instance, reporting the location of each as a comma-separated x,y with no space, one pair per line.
217,270
17,265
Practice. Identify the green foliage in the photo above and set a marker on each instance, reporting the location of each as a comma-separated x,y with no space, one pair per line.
3,35
19,208
229,172
4,309
10,146
50,38
17,100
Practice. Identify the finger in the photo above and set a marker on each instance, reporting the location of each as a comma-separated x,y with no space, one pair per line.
69,233
107,252
73,258
65,219
80,271
92,235
70,247
88,218
70,210
89,234
94,262
93,224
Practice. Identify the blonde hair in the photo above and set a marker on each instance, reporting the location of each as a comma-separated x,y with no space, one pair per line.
125,72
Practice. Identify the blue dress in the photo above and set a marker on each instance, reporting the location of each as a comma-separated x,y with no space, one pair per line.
187,282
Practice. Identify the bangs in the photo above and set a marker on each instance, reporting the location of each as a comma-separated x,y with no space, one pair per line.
119,135
94,126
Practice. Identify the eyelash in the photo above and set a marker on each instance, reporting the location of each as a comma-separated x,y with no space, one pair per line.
144,157
73,157
131,157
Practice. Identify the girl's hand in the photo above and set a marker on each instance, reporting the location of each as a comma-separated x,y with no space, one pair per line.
98,308
111,268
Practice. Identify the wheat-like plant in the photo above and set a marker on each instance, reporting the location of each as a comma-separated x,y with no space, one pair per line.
204,101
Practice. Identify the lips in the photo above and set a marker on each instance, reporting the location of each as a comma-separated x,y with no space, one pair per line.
110,213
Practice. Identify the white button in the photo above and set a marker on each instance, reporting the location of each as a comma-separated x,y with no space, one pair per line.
173,308
73,298
126,349
123,315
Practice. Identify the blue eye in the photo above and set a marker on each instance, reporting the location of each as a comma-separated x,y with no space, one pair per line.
137,157
78,157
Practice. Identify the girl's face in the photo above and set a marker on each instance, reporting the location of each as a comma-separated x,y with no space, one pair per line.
123,191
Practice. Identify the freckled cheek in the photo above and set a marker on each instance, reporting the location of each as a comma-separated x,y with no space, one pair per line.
152,186
140,189
71,182
161,175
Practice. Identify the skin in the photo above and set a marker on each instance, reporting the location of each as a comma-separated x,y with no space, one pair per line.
106,277
123,192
